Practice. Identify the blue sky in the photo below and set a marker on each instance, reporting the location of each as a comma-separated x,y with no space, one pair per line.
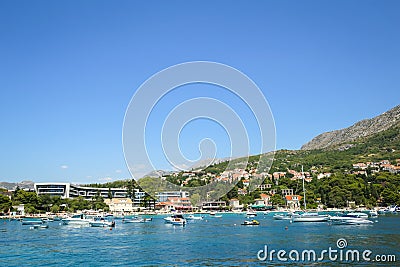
68,70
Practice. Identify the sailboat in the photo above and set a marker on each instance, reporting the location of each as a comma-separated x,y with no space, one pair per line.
308,216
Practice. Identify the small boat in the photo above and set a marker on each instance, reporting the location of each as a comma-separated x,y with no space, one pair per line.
134,220
79,219
373,213
283,216
251,214
252,222
39,226
194,218
175,219
31,221
102,223
214,215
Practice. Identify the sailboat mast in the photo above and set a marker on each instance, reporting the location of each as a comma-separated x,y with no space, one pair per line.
304,190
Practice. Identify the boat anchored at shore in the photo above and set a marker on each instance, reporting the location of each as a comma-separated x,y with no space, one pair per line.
175,219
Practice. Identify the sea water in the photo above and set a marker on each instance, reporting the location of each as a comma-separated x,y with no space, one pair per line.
209,242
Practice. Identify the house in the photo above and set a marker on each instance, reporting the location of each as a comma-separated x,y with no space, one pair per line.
323,175
164,206
119,204
263,187
266,198
180,203
286,192
242,191
360,165
214,205
293,201
235,204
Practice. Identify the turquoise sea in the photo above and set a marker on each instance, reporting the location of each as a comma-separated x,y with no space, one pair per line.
210,242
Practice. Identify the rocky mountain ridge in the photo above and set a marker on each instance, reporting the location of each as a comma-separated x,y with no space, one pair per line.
360,129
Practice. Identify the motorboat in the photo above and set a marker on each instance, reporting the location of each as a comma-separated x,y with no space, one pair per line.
373,213
252,222
194,218
350,221
175,219
78,219
39,226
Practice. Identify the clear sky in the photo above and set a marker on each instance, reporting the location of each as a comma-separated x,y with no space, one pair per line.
68,70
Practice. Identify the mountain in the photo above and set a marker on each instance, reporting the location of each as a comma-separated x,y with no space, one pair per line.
359,130
22,185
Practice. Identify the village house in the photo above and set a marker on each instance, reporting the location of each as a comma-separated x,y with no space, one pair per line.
235,204
119,204
286,192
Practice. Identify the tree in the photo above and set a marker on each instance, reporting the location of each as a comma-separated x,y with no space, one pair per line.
277,200
109,193
55,208
5,203
194,199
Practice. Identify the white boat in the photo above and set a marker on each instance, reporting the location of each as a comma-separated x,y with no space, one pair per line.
214,215
351,221
39,226
79,219
251,214
282,216
373,213
310,217
102,223
175,219
32,221
194,218
357,215
134,220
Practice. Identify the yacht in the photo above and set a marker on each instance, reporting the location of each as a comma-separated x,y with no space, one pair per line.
308,216
351,218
